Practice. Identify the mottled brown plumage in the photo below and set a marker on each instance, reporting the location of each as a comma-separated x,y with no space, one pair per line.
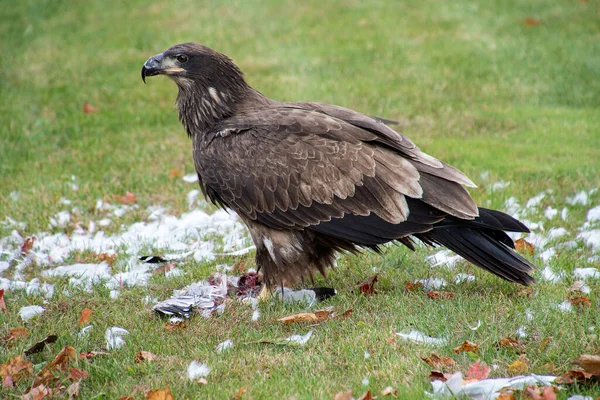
311,179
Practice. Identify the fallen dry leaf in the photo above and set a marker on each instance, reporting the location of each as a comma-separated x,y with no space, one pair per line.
573,376
531,21
367,287
466,347
84,318
436,361
589,363
61,361
366,396
91,354
527,292
37,393
16,368
39,346
76,374
73,390
129,198
239,394
317,316
510,343
540,393
2,303
343,315
175,326
478,371
322,315
411,287
506,396
580,301
14,334
27,245
519,366
439,376
164,268
343,395
389,391
523,246
144,356
175,173
160,394
440,295
89,109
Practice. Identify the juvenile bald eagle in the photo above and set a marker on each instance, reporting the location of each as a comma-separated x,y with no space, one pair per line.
312,179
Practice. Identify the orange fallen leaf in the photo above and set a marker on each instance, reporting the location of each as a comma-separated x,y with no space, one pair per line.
73,389
174,173
589,363
531,21
435,361
510,343
77,374
2,303
467,346
89,109
84,318
478,371
91,354
61,361
343,395
164,269
519,366
572,376
16,368
580,301
27,245
540,393
160,394
37,393
174,326
144,356
129,198
523,246
411,287
440,295
317,316
367,287
366,396
239,394
14,334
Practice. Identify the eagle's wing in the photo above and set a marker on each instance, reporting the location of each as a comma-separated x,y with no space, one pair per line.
292,167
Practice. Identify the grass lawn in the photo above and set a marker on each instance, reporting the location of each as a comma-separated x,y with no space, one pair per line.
503,90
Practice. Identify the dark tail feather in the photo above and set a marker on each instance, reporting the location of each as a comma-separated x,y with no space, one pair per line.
485,246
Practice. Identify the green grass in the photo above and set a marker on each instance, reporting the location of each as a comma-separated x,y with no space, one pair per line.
469,82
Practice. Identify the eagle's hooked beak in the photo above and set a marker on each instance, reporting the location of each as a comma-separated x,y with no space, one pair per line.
159,65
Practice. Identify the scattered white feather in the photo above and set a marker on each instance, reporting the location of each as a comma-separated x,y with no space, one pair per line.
114,337
579,397
551,276
512,206
192,196
190,178
565,306
522,332
299,339
462,277
65,201
591,238
557,232
593,214
585,273
580,286
85,330
28,312
15,196
104,222
564,214
227,344
476,326
500,185
367,355
114,293
432,283
580,198
535,201
365,382
529,315
444,258
568,245
60,220
550,212
82,274
197,370
420,337
255,315
547,254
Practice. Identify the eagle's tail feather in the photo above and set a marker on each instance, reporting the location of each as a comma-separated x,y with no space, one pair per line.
485,246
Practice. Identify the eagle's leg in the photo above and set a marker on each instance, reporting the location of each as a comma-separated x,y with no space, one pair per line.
265,294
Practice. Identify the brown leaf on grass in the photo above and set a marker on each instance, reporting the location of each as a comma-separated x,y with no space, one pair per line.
367,287
580,301
164,269
439,376
544,343
468,347
76,374
322,315
506,396
523,246
39,346
37,393
317,316
91,354
589,363
73,390
239,394
576,286
519,366
144,356
540,393
14,334
435,361
343,395
16,368
478,371
2,303
175,326
89,109
175,173
61,361
84,318
96,258
366,396
343,315
527,292
160,394
389,391
411,287
27,245
574,375
440,295
510,343
129,198
531,21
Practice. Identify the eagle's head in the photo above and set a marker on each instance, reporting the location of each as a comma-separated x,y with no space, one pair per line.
210,84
